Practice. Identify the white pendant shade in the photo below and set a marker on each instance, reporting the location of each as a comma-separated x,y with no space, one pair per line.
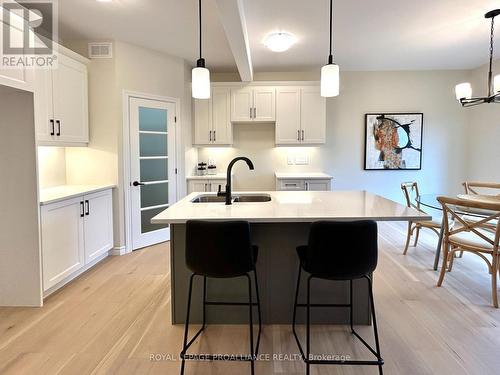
496,84
463,91
330,80
200,78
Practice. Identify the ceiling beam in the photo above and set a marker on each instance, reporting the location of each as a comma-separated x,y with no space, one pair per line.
232,16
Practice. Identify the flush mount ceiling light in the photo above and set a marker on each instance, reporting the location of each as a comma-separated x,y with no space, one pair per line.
463,91
330,72
279,42
200,76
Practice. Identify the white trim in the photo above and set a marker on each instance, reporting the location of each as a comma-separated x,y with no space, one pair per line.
152,132
152,157
126,95
118,250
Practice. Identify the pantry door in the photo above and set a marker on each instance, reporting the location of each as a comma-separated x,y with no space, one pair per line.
152,167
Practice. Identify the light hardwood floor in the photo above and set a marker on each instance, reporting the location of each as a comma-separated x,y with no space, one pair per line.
113,318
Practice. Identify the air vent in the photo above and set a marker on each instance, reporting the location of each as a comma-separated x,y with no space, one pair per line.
102,50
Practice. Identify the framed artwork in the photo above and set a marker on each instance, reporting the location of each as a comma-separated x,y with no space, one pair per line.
393,141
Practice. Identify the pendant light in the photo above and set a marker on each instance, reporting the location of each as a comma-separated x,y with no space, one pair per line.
330,72
463,91
200,76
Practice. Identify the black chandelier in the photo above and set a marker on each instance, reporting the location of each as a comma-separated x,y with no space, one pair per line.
463,91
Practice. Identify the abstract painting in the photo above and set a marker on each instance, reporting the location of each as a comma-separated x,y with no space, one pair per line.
393,141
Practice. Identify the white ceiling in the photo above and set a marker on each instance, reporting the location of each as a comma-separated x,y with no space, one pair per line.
368,34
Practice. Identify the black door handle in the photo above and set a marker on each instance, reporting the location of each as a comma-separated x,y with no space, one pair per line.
137,183
87,211
58,122
82,212
53,130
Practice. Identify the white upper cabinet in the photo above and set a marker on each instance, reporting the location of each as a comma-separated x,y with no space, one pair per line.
222,131
300,116
61,103
312,115
256,104
288,115
212,123
241,105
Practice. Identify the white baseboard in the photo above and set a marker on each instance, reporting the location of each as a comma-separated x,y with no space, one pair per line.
118,250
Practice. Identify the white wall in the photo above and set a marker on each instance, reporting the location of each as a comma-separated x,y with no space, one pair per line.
51,166
430,92
483,132
20,271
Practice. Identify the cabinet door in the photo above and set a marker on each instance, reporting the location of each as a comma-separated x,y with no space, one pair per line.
98,224
241,104
214,185
70,96
198,186
317,185
312,116
288,115
62,240
202,121
19,78
264,102
222,132
44,111
291,185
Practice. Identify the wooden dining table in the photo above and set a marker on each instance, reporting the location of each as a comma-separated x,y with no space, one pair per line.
430,201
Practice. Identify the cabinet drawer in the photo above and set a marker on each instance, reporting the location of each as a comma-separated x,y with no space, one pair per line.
291,185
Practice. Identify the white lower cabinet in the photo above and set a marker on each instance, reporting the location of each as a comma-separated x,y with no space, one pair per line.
75,232
304,184
205,186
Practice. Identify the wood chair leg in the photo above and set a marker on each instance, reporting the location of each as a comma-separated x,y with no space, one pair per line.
445,263
416,237
450,263
408,237
494,266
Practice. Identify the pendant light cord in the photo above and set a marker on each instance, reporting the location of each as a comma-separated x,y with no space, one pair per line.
490,73
330,57
199,16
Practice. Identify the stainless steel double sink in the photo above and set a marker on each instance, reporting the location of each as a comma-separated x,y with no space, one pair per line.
237,198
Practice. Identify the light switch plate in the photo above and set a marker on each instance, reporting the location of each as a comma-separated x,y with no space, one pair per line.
302,160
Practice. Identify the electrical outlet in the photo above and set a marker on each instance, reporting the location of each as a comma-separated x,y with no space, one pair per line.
302,160
290,160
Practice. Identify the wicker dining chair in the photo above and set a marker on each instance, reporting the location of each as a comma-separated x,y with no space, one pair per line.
471,237
411,193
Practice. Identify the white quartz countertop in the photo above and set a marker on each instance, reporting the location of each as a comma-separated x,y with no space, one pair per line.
303,176
218,176
62,192
293,206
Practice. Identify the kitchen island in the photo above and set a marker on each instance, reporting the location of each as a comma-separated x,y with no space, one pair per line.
278,226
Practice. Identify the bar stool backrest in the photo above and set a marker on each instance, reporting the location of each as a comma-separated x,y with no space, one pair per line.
342,250
219,249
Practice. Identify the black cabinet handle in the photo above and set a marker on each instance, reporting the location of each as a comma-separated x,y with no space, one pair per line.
58,122
87,204
214,136
82,212
137,183
52,124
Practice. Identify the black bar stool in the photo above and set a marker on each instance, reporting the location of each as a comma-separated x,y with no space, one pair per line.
221,250
338,251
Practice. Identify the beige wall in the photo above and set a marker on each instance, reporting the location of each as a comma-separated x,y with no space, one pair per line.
483,133
430,92
20,270
51,166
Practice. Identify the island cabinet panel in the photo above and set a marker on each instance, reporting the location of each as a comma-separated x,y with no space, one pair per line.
212,119
76,233
62,240
61,104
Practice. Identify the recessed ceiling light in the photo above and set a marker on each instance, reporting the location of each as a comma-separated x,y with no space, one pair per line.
104,1
279,42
